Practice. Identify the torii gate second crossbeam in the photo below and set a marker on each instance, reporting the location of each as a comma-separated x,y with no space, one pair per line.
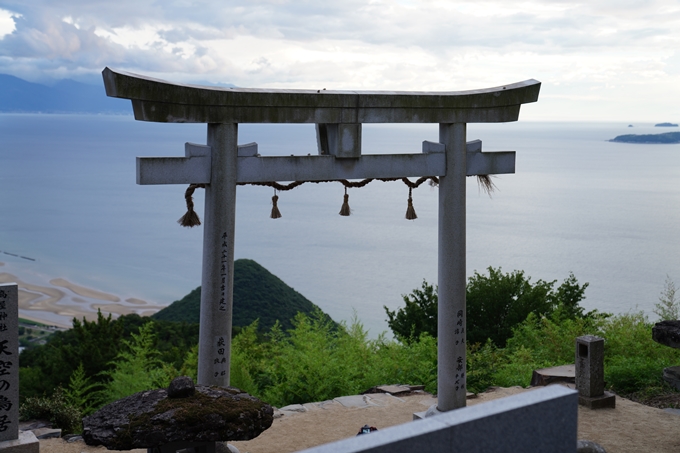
338,116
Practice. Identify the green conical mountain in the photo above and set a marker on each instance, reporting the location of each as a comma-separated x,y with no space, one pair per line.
258,294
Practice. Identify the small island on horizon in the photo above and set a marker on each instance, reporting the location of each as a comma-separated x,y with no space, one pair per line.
666,125
665,138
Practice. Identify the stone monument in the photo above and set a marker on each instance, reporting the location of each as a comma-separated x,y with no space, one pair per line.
11,440
590,373
338,116
182,417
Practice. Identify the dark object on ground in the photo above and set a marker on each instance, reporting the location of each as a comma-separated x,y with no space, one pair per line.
181,387
366,430
586,446
665,138
547,376
667,333
150,419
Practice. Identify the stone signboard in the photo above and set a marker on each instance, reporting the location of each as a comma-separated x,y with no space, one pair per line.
9,362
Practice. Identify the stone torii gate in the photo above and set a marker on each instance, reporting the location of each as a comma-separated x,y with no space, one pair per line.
338,116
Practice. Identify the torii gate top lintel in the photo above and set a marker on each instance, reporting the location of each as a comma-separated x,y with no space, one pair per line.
160,101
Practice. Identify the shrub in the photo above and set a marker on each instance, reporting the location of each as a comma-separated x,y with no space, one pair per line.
55,408
483,362
632,359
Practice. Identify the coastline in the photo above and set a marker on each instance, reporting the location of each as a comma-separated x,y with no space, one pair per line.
56,301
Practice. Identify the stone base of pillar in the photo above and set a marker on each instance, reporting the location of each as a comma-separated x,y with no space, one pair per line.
598,402
26,443
431,412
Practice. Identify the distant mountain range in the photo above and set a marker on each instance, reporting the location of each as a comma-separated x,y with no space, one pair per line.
258,294
66,96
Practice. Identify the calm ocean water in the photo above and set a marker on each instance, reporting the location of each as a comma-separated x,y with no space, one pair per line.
609,212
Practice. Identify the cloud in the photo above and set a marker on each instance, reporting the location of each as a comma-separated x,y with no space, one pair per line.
373,44
7,25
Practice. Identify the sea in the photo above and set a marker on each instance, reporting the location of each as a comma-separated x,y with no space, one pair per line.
608,212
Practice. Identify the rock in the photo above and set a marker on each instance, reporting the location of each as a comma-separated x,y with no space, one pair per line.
150,419
181,387
586,446
672,376
667,333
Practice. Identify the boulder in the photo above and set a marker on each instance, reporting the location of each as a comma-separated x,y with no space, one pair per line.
151,419
667,333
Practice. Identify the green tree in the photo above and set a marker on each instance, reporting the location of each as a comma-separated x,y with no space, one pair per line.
418,316
91,343
496,303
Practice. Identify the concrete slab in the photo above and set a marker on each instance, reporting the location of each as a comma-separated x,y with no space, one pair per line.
26,443
540,420
552,375
394,389
47,433
385,399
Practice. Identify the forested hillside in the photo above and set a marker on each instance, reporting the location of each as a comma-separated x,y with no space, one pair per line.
258,294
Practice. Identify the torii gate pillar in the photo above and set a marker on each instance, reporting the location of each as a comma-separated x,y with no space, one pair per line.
451,267
217,282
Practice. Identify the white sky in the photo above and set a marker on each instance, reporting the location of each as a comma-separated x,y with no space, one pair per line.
598,60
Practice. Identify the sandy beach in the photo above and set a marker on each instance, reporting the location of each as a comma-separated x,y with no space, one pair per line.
57,301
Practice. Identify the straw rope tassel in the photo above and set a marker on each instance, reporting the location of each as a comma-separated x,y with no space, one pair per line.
190,219
344,210
410,210
276,214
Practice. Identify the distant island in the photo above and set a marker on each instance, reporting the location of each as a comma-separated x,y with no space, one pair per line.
665,138
666,125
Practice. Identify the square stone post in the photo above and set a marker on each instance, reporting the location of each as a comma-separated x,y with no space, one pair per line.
590,373
217,283
451,318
